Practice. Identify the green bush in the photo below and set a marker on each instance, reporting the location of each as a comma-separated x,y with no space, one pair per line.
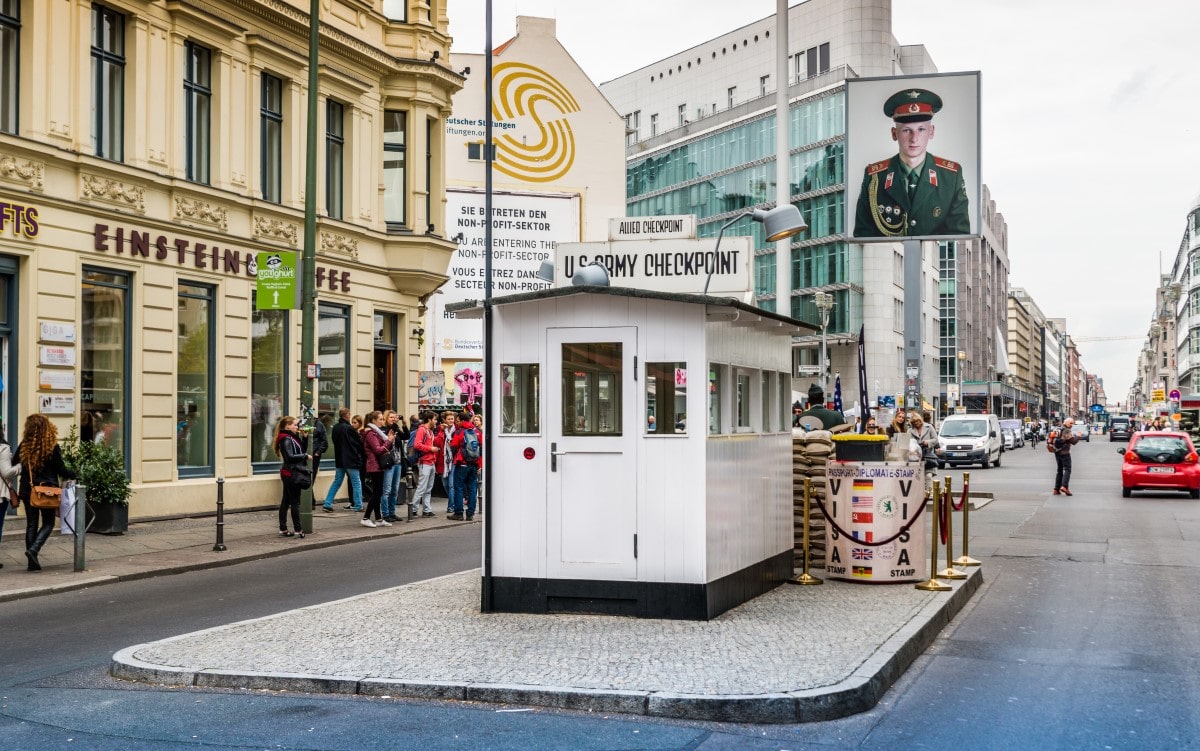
100,466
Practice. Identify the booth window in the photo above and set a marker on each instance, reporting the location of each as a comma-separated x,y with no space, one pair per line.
268,382
784,407
716,391
767,416
194,419
744,400
666,398
519,401
591,388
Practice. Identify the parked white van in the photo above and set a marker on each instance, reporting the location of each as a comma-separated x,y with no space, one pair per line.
969,439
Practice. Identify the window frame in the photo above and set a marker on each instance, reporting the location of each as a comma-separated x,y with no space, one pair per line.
107,143
197,136
664,399
10,82
526,392
327,311
270,174
206,293
396,148
124,283
335,158
271,465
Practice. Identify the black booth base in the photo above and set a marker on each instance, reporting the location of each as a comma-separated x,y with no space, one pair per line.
688,602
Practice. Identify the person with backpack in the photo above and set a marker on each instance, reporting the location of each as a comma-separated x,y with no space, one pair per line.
349,459
1059,443
425,459
466,446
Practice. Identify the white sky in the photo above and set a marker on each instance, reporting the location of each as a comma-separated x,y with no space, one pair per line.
1090,143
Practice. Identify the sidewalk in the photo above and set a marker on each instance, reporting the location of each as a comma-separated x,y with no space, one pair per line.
173,546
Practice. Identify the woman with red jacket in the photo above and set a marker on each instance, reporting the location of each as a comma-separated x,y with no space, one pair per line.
376,443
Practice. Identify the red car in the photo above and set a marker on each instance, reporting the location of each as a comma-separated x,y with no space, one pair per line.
1160,460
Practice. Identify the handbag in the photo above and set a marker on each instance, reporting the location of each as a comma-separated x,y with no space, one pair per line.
301,477
45,496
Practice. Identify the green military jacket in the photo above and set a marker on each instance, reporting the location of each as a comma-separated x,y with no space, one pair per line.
938,206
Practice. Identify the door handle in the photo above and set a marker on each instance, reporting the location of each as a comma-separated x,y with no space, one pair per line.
554,457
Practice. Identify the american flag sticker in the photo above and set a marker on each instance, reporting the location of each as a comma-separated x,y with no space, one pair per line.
862,554
861,571
862,501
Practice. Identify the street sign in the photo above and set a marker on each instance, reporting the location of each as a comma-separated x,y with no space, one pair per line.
1174,395
1097,408
1158,395
275,283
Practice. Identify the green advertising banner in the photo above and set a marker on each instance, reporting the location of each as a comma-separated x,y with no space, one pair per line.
275,285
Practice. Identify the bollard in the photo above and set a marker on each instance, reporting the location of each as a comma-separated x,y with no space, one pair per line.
80,526
932,584
806,578
220,546
950,572
965,559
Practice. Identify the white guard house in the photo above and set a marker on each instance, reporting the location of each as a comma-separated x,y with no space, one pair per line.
642,460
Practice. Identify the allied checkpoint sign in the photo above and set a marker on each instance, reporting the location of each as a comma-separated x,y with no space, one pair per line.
872,502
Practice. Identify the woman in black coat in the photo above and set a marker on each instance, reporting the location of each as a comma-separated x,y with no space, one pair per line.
41,464
290,449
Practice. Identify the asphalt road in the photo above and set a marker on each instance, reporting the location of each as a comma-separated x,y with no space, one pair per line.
1084,636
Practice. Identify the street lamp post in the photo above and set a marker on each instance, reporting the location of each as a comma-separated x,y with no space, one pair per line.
962,361
824,303
778,223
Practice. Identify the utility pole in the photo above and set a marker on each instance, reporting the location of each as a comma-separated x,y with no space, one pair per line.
309,258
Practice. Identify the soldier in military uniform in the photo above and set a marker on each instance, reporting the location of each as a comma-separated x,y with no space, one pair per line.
913,193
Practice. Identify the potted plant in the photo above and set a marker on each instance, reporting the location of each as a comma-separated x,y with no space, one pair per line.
101,468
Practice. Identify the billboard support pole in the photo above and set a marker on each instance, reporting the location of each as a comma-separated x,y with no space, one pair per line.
912,324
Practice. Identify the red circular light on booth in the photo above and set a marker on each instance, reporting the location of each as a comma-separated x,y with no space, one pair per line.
529,452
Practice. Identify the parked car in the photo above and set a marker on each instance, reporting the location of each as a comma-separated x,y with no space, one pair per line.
1008,438
1082,432
969,439
1119,429
1018,431
1160,460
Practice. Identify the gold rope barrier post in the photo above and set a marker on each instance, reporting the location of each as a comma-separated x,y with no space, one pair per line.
806,578
950,572
964,559
933,585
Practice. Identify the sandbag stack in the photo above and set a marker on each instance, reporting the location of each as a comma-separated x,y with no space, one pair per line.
811,451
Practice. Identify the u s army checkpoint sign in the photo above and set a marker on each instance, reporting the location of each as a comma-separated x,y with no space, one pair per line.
872,502
275,285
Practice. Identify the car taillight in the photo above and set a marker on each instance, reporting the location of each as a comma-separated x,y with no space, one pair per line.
1131,458
1191,458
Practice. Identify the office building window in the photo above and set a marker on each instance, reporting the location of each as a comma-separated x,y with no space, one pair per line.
104,358
268,381
195,385
197,109
333,355
395,204
730,96
654,125
800,66
335,144
763,83
10,55
475,152
271,117
108,83
682,115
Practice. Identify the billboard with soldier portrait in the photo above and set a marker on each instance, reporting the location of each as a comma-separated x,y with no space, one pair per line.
913,157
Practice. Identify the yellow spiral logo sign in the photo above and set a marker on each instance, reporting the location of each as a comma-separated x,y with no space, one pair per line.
525,91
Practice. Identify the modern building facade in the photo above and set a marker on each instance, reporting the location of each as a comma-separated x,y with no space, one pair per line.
137,196
1026,361
701,140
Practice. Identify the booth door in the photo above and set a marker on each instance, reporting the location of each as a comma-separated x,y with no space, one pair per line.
591,493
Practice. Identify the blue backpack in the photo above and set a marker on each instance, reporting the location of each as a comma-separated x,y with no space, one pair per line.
412,453
470,446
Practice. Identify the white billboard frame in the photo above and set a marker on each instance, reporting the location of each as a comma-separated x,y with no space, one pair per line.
957,138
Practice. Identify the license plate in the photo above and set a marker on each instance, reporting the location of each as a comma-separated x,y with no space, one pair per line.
956,453
1162,470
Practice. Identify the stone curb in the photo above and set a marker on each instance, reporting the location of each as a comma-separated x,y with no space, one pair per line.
226,559
858,693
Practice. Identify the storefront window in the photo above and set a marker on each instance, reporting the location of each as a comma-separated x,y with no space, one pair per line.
268,380
385,362
666,398
333,354
194,382
519,398
104,359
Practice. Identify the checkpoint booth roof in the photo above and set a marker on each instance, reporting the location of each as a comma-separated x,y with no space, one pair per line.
641,457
